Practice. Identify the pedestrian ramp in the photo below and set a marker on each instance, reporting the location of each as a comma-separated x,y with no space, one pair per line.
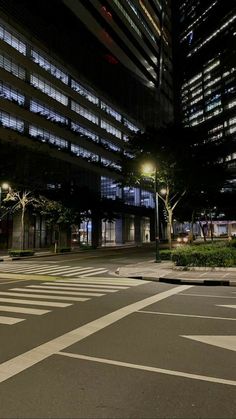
19,303
49,269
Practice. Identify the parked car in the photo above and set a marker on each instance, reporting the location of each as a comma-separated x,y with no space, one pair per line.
183,237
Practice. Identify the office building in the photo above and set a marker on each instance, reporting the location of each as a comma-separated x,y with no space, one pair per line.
77,77
207,63
205,58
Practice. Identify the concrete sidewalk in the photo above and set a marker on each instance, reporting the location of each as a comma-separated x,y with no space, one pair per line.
166,271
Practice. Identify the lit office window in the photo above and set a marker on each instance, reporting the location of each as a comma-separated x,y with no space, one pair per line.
11,94
47,137
111,111
131,196
84,92
128,18
85,154
9,121
131,126
111,164
48,66
109,145
47,112
48,89
11,67
110,189
139,16
110,129
12,40
147,199
84,112
231,104
83,131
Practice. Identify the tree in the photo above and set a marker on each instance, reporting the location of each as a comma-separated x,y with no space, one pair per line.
21,200
184,162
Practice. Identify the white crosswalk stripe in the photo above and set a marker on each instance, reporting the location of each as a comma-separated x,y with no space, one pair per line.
10,320
52,297
65,292
49,269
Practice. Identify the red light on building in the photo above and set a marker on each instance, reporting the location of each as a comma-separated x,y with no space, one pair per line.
111,59
106,12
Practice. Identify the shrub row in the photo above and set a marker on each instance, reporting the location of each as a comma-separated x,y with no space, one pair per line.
20,253
207,255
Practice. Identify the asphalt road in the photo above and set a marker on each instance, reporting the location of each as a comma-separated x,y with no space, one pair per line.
139,350
90,263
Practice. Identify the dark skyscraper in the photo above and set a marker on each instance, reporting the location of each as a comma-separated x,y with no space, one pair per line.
207,66
77,77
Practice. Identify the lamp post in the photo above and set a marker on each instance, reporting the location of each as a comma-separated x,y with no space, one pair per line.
5,186
151,171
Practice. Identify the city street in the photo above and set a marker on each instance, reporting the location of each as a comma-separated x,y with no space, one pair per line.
108,347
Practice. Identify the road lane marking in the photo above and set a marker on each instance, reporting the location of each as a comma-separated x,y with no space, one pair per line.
24,310
225,342
26,360
85,271
92,273
187,315
33,302
53,297
204,295
103,281
10,320
73,291
78,287
150,369
226,305
38,289
92,286
48,287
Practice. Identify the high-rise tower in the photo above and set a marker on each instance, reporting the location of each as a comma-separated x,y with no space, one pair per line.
76,79
207,66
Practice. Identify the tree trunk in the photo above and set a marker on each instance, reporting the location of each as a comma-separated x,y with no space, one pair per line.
22,228
203,231
191,230
169,226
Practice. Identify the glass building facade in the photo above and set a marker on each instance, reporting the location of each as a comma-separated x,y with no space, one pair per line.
55,99
207,63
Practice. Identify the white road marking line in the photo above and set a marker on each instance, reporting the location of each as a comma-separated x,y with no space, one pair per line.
92,294
24,310
33,302
85,270
203,295
74,271
10,320
151,369
99,281
26,360
38,289
92,273
23,268
187,315
82,285
72,290
53,297
79,288
225,342
226,305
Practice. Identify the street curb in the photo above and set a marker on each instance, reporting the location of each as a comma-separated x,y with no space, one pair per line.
207,282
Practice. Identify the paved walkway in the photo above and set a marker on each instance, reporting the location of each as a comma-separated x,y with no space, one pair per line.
167,272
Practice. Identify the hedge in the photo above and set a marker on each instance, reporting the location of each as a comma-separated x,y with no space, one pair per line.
210,256
20,253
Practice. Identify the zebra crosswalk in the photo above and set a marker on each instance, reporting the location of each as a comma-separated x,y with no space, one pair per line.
49,269
41,298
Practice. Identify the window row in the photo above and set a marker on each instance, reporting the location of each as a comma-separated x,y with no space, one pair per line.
45,63
7,92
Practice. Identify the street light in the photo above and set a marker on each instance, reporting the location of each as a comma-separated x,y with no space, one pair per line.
4,186
151,171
